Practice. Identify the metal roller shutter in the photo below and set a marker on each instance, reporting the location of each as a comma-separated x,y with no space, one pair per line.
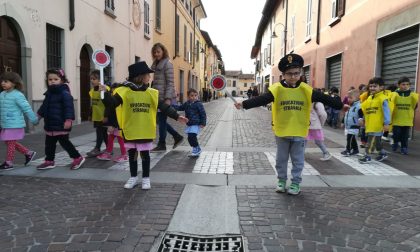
399,56
334,71
307,73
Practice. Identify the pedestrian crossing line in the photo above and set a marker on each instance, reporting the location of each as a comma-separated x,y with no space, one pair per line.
307,170
214,162
372,168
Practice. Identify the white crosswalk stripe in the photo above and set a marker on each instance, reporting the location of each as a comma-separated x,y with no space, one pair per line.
214,162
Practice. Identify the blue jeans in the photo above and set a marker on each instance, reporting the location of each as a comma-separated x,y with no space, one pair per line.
295,148
163,127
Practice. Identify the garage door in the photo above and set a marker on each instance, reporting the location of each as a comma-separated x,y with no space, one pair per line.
334,71
399,55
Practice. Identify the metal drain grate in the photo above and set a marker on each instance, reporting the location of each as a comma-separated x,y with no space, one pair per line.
186,243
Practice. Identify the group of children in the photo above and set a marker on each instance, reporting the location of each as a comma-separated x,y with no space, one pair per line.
126,112
377,111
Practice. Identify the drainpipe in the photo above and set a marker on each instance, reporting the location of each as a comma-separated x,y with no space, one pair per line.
198,5
176,8
285,28
318,22
71,14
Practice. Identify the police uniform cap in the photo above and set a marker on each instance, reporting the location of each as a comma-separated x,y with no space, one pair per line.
290,61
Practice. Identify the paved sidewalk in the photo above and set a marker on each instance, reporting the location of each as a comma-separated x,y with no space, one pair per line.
344,206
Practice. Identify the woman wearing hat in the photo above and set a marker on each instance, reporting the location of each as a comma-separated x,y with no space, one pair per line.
136,107
292,102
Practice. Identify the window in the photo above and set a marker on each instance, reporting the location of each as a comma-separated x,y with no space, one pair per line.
190,58
185,42
234,83
309,19
197,50
110,8
337,8
245,84
229,83
146,20
108,71
54,46
269,54
158,15
177,35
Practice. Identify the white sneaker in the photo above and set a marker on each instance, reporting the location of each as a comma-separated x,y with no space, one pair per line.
131,183
145,184
327,156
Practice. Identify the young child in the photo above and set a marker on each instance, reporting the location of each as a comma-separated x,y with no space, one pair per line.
13,106
351,123
98,109
194,111
317,120
113,132
405,102
292,102
136,106
335,113
57,109
376,118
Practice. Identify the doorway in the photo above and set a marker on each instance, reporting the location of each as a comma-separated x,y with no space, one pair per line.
84,84
10,58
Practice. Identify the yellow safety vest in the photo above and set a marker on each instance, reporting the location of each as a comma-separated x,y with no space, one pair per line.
98,107
137,114
373,112
291,110
363,96
403,114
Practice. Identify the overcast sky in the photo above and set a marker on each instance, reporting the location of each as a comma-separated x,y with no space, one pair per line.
232,25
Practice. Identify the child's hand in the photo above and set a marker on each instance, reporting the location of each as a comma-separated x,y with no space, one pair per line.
102,88
110,129
168,101
346,107
67,124
238,105
386,128
182,119
202,126
342,125
105,120
361,122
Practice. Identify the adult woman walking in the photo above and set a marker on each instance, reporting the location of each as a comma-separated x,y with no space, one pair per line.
164,82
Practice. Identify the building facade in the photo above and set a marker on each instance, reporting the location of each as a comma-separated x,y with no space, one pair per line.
344,42
64,34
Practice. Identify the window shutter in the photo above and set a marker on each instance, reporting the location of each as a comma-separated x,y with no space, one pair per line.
341,6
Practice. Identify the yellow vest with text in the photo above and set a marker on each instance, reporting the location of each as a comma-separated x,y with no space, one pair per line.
373,112
98,107
291,110
137,114
403,114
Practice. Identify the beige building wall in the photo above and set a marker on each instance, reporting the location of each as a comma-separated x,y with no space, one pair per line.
92,28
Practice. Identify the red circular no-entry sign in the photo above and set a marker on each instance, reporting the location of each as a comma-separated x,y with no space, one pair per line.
101,58
218,82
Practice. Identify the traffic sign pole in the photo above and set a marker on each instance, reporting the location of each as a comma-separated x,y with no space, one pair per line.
101,71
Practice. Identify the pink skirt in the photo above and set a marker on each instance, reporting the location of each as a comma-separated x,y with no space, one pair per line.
139,146
315,134
12,134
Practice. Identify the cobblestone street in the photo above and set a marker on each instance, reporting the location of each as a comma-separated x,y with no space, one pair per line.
229,189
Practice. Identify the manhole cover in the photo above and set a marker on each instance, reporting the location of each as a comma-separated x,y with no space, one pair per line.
185,243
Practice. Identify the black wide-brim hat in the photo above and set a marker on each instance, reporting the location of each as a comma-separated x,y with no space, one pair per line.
290,61
137,69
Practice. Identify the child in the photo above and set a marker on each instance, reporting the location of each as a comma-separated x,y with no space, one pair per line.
98,109
364,93
136,106
377,117
335,113
292,101
351,123
317,119
113,131
13,105
57,109
194,111
405,102
388,91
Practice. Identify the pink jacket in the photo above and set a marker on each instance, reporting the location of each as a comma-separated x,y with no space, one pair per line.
318,116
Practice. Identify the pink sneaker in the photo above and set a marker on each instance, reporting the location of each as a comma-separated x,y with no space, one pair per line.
77,163
104,156
121,159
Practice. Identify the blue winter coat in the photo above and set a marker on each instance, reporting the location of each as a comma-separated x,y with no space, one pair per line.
13,105
351,118
194,111
57,107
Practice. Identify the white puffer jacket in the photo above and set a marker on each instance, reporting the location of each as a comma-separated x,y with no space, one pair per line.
318,116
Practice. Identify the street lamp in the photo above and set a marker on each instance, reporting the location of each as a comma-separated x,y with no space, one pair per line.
274,35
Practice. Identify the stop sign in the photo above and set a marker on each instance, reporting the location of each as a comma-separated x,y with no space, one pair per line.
101,58
218,82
